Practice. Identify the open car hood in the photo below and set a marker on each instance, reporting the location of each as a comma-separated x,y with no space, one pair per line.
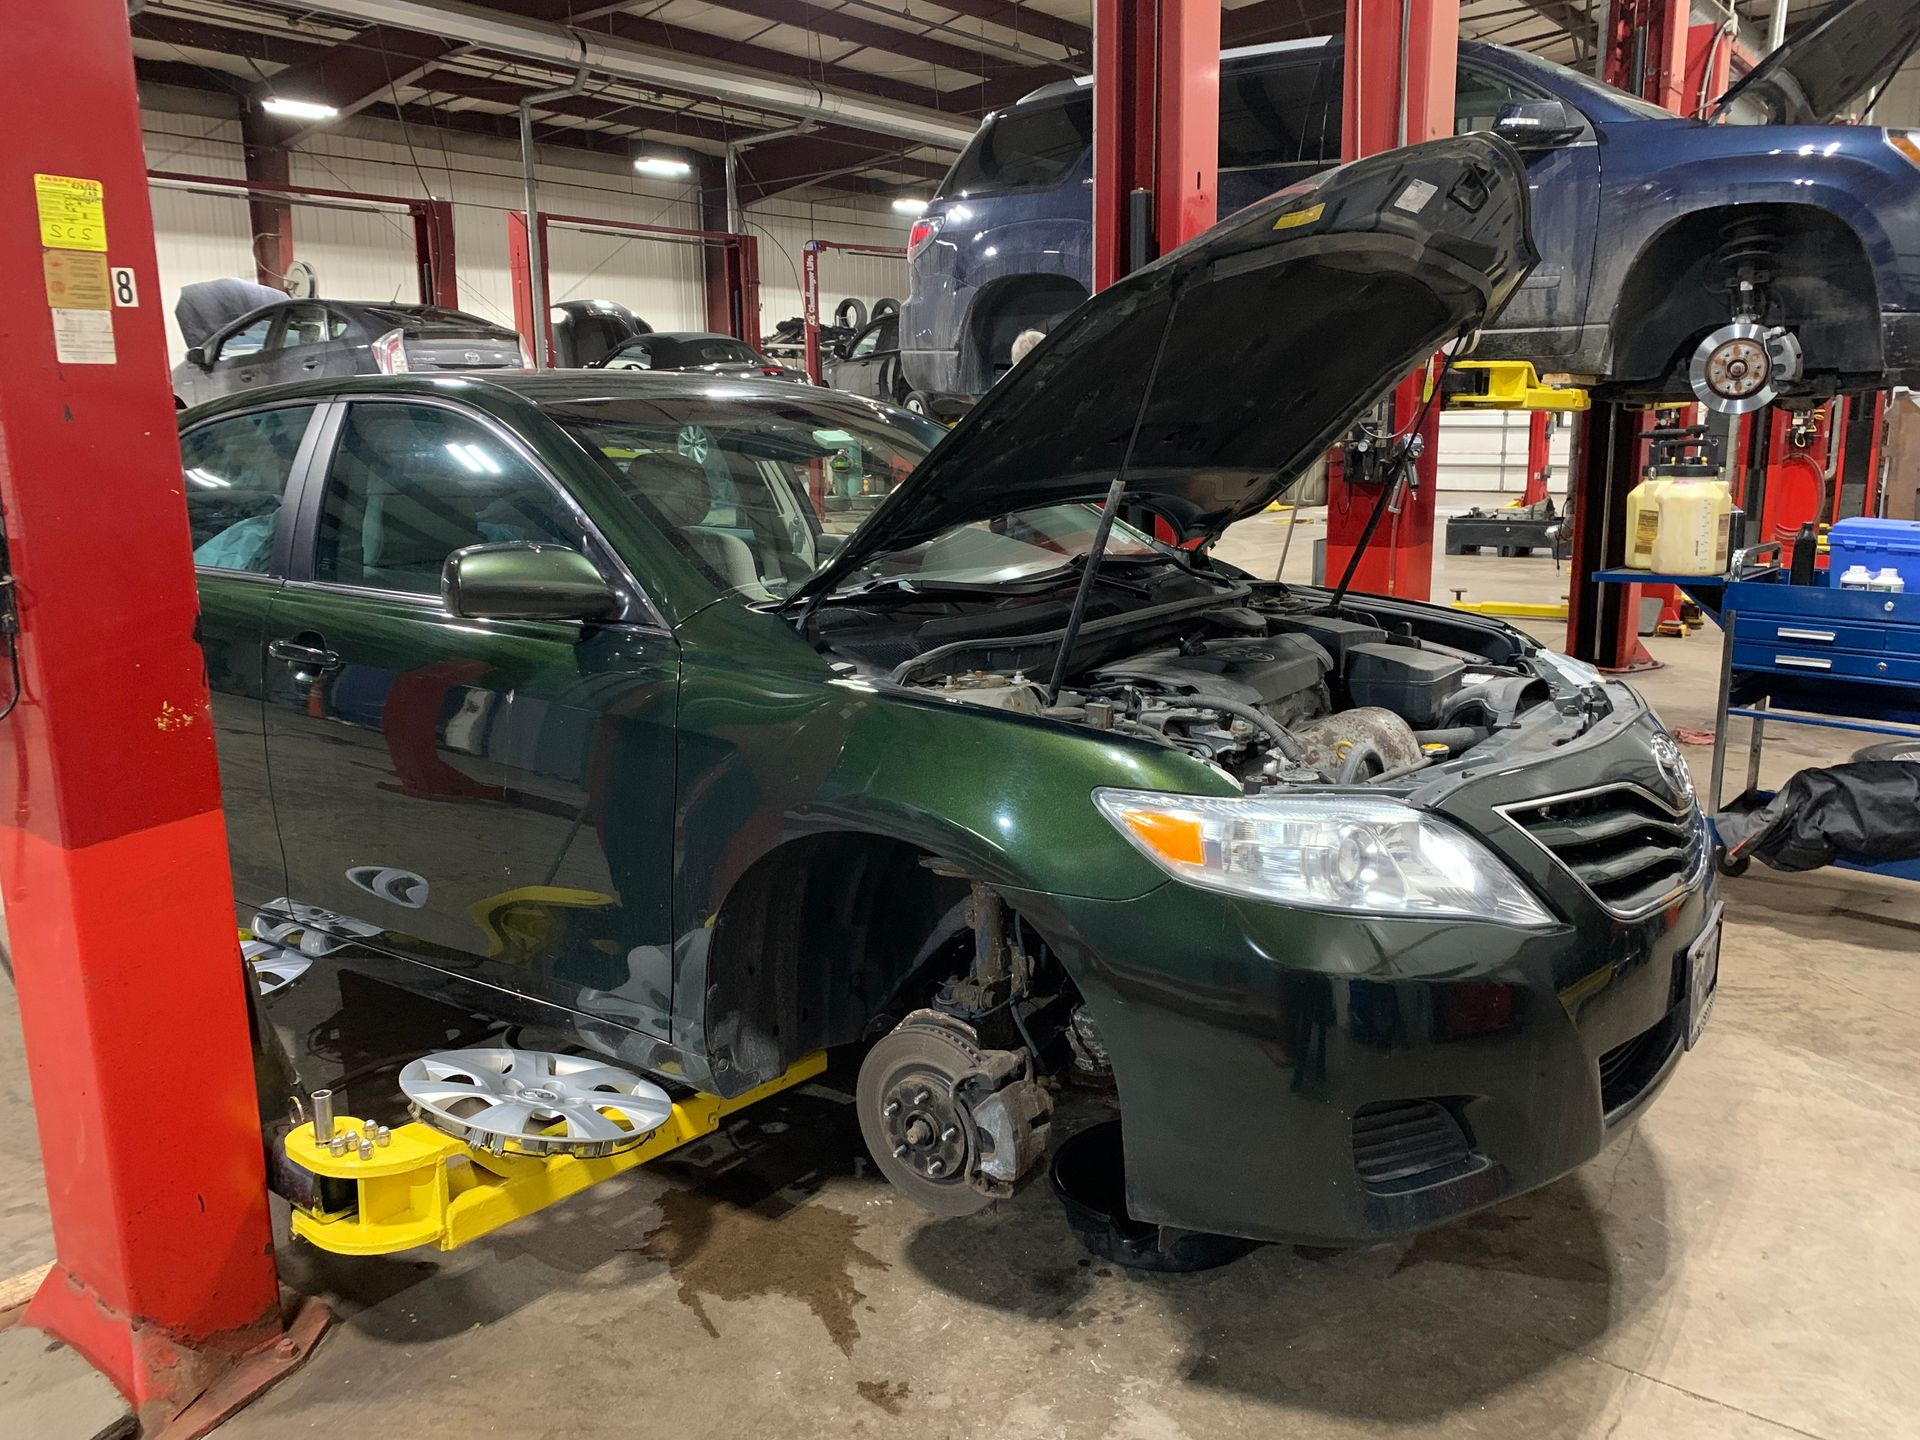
1850,49
1215,375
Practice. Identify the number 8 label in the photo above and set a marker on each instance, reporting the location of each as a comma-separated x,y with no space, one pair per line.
124,292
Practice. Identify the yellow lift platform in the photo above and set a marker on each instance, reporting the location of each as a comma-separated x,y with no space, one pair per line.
424,1187
1507,385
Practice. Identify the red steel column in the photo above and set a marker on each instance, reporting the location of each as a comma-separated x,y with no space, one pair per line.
114,866
269,217
433,252
1156,127
810,306
1394,97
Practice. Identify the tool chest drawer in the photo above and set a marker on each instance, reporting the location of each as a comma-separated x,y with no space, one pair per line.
1818,659
1817,633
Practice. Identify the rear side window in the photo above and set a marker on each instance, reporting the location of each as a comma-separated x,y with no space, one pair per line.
411,484
1025,149
1268,116
236,476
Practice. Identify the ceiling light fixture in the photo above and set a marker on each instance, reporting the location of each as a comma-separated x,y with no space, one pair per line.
663,166
299,109
915,208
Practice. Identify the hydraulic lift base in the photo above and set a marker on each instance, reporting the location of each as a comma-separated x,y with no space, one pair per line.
1470,534
427,1188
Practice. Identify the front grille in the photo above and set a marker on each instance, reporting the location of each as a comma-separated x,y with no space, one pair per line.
1631,850
1402,1138
1629,1067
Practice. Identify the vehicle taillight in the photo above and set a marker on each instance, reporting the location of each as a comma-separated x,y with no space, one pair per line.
390,353
917,238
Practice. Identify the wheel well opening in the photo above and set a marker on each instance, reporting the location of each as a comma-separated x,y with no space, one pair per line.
1006,307
816,941
1675,293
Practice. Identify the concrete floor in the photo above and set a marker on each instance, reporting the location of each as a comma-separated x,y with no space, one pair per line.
1746,1263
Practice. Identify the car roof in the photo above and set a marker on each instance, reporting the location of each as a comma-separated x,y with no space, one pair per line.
506,388
685,335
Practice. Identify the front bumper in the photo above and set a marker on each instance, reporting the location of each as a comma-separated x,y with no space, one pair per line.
1265,1056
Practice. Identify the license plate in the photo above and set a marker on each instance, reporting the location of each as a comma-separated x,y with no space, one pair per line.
1703,977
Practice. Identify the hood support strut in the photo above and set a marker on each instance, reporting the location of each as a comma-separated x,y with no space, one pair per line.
1108,511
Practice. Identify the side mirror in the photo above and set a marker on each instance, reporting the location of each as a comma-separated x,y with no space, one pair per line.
1537,122
827,544
522,580
197,356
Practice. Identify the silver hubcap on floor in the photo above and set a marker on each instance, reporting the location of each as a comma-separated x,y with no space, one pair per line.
534,1102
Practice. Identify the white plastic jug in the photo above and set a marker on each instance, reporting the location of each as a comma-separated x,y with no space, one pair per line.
1858,577
1889,579
1695,528
1643,520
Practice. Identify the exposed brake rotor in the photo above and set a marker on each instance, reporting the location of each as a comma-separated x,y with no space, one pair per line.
533,1102
1742,366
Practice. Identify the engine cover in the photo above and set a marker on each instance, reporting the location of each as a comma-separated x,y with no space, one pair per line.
1261,672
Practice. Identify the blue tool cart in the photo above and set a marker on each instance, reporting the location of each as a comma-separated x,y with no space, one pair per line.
1802,655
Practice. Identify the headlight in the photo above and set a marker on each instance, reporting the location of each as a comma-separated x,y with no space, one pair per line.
1907,142
1577,673
1352,853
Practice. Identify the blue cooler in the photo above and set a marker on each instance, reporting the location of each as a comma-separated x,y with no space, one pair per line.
1876,544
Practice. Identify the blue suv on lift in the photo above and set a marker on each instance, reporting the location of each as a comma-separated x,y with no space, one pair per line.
1738,262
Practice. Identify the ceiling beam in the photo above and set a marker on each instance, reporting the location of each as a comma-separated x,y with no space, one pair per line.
1282,20
1026,20
258,45
779,165
823,19
1571,18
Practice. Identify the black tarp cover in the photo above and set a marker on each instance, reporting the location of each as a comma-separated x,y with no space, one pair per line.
206,305
1865,811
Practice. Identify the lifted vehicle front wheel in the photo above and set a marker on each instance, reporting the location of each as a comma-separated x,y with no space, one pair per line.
953,1126
1743,366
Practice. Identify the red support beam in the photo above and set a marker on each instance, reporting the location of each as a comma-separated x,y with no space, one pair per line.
810,290
1395,96
139,1052
1156,128
269,215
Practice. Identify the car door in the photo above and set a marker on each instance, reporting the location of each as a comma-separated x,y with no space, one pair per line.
1276,125
858,372
240,358
236,473
309,344
1563,180
490,799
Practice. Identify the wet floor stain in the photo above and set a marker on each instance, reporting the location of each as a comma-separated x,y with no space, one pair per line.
808,1253
887,1394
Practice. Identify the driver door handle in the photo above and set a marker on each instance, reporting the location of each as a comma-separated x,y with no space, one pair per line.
311,660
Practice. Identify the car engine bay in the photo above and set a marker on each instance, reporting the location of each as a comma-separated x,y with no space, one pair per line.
1264,684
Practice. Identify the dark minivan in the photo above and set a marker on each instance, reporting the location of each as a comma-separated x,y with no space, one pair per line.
1749,262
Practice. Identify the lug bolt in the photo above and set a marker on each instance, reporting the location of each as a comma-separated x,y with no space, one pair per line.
893,1109
923,1097
337,1146
383,1136
936,1168
366,1149
899,1152
947,1135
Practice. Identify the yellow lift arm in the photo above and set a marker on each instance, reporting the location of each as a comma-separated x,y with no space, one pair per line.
1507,385
427,1188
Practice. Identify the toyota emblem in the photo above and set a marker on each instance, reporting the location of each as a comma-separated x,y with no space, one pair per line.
472,357
1673,766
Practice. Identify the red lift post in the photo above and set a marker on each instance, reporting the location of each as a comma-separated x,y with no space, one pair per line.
1646,53
432,227
1400,62
810,290
741,268
119,904
1156,129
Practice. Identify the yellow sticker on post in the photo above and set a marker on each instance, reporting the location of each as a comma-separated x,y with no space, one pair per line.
73,212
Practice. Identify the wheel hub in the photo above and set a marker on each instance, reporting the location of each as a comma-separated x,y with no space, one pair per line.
1741,366
926,1128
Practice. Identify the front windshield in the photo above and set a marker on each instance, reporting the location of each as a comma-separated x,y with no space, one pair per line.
707,350
759,492
756,491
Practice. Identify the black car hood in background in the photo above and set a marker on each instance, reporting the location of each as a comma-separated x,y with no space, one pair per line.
1240,356
206,305
1850,50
